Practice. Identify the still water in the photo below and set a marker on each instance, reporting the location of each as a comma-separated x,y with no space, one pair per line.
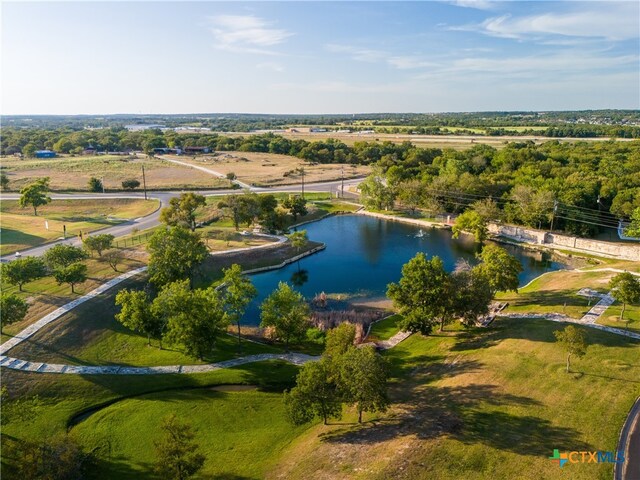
365,254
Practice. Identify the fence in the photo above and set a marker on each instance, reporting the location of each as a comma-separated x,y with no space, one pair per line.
131,241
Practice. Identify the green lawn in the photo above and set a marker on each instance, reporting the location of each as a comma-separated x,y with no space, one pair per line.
241,432
483,404
631,319
22,229
384,329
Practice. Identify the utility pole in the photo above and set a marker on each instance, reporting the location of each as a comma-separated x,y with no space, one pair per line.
144,183
302,172
553,215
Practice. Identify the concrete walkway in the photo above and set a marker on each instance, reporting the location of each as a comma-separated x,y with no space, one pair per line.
629,446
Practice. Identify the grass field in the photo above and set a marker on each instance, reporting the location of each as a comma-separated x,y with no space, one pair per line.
631,318
22,229
268,169
482,404
73,173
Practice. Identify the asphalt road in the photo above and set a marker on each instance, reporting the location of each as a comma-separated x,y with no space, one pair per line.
152,220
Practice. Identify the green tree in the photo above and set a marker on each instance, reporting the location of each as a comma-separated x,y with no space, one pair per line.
137,314
573,341
339,340
98,243
633,230
315,395
533,206
182,210
58,458
23,270
238,293
130,184
4,181
113,258
424,294
287,312
471,221
473,294
500,269
12,309
29,150
487,209
177,454
363,380
35,194
411,194
296,205
63,255
298,240
376,193
175,254
194,318
72,274
95,184
625,288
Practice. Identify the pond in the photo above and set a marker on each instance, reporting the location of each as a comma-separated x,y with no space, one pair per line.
365,254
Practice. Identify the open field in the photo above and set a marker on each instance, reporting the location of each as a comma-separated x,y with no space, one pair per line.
21,229
457,142
478,405
631,318
73,173
268,169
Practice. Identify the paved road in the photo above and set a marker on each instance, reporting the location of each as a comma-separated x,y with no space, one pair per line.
164,196
630,445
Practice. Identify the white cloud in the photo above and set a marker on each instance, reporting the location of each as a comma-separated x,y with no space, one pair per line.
401,62
246,34
333,86
477,4
276,67
605,20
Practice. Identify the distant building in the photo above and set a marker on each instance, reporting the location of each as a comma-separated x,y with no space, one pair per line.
45,154
141,126
196,150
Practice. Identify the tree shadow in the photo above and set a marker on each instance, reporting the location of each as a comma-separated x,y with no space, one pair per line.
470,414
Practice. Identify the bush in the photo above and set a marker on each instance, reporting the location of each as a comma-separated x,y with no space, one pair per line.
130,184
95,185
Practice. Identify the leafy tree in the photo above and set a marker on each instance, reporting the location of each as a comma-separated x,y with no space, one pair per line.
239,208
487,209
177,455
287,312
298,240
113,258
98,243
500,269
29,150
95,184
63,255
533,206
231,176
137,314
23,270
194,318
339,340
35,194
411,194
363,380
238,293
473,295
12,309
376,193
58,458
315,395
296,205
71,274
573,341
471,221
423,295
175,254
625,288
181,210
130,184
4,181
633,230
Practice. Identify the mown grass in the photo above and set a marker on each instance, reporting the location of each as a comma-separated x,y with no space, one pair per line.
556,292
22,229
384,329
482,404
630,320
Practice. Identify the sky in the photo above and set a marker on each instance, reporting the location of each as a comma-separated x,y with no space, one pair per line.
318,57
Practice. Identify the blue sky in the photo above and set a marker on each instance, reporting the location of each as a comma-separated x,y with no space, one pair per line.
318,57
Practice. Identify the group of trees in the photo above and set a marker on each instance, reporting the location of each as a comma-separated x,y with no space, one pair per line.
427,295
249,208
345,374
581,188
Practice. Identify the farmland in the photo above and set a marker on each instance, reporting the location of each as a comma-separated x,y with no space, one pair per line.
73,173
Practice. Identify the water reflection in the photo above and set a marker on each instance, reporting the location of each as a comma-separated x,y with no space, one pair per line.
365,254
